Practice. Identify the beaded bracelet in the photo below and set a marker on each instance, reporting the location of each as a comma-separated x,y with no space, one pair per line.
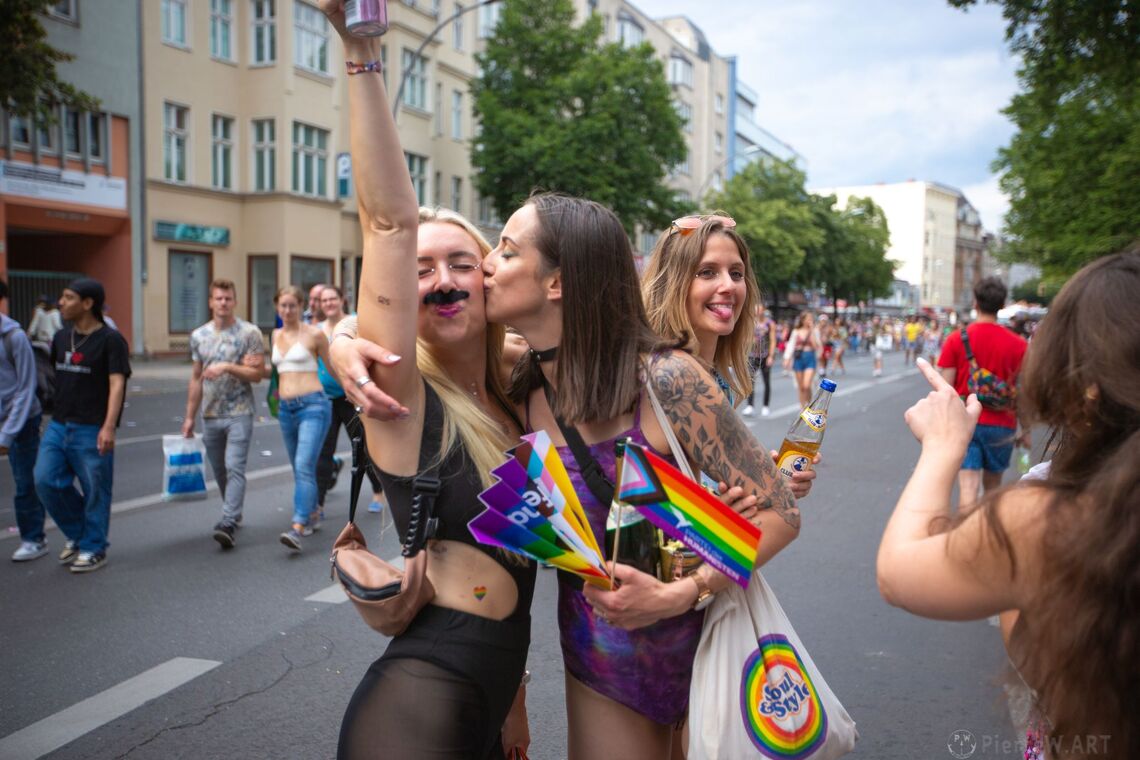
359,68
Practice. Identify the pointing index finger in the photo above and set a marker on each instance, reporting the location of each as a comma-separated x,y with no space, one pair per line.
933,376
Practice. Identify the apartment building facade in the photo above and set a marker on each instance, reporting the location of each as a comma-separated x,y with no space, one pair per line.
923,218
70,191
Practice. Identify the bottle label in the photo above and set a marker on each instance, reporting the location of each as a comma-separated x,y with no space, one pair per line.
793,462
817,421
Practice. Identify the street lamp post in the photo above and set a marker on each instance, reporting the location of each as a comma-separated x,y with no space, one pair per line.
419,51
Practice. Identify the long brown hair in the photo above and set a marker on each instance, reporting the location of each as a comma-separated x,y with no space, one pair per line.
604,329
665,287
1079,642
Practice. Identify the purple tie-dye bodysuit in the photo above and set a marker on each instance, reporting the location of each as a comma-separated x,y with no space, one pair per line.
647,670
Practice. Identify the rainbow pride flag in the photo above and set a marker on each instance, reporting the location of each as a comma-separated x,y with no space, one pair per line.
684,510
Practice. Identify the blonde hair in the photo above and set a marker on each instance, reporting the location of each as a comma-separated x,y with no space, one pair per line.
665,290
464,420
289,290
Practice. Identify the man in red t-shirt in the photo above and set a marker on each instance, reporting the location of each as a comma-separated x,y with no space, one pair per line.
1000,351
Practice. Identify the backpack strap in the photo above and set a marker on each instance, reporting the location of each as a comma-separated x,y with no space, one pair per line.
966,345
600,486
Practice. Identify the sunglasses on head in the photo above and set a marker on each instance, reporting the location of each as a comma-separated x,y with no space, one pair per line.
687,224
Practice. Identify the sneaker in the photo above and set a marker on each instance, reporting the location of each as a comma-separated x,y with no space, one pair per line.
292,537
68,554
765,411
375,507
88,562
224,534
316,520
747,411
30,550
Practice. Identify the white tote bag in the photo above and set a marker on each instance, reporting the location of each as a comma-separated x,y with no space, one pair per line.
184,468
755,690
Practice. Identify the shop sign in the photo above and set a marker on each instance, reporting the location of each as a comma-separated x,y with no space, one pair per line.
51,184
191,233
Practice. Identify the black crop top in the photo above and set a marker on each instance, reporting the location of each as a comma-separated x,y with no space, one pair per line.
457,503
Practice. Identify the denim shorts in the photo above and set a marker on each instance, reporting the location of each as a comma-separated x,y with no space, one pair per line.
804,362
989,449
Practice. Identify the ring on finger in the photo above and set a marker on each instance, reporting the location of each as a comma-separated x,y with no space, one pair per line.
362,381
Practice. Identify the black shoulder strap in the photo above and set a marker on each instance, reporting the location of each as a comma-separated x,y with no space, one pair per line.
600,486
422,522
966,343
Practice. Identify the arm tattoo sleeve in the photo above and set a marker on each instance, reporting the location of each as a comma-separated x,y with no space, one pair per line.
708,428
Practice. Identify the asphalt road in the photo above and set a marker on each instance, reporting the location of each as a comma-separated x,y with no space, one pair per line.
178,649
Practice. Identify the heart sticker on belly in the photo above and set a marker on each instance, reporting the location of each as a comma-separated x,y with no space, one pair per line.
480,592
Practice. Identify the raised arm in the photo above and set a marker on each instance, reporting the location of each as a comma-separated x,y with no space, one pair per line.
389,213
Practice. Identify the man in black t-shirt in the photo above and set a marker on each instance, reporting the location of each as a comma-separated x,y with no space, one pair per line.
92,364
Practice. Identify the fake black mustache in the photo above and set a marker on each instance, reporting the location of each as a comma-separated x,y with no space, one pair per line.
443,299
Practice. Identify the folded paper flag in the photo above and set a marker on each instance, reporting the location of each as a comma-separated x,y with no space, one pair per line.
528,511
684,510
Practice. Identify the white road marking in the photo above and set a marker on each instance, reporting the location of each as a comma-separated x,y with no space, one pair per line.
156,498
54,731
158,436
334,594
845,391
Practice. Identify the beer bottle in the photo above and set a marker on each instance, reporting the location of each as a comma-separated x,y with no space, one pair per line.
806,434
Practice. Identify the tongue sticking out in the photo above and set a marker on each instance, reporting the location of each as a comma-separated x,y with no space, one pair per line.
721,310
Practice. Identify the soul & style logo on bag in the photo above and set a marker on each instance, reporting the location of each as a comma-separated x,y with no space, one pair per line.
782,713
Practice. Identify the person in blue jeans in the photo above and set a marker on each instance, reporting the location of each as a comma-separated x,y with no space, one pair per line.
304,411
92,364
20,417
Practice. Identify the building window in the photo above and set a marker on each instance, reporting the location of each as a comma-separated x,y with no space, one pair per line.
457,194
307,271
189,290
264,25
95,136
437,121
310,160
47,139
64,9
457,28
685,111
20,129
486,211
488,19
682,167
72,135
680,71
719,103
415,88
174,126
264,155
456,114
222,29
629,32
311,44
222,151
417,168
718,142
262,288
174,22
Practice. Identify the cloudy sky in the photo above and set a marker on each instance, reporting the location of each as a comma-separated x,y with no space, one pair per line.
872,90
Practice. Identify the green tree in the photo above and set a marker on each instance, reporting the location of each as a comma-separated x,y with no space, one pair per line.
561,112
1071,167
29,84
1036,290
774,214
850,260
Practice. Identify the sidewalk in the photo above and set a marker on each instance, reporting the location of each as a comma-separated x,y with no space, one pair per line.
160,369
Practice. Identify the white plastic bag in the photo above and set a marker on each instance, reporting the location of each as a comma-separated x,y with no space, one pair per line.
755,691
184,468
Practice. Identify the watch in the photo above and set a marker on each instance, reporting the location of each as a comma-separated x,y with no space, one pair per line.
705,594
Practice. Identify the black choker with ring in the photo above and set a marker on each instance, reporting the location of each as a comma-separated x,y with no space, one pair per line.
546,355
